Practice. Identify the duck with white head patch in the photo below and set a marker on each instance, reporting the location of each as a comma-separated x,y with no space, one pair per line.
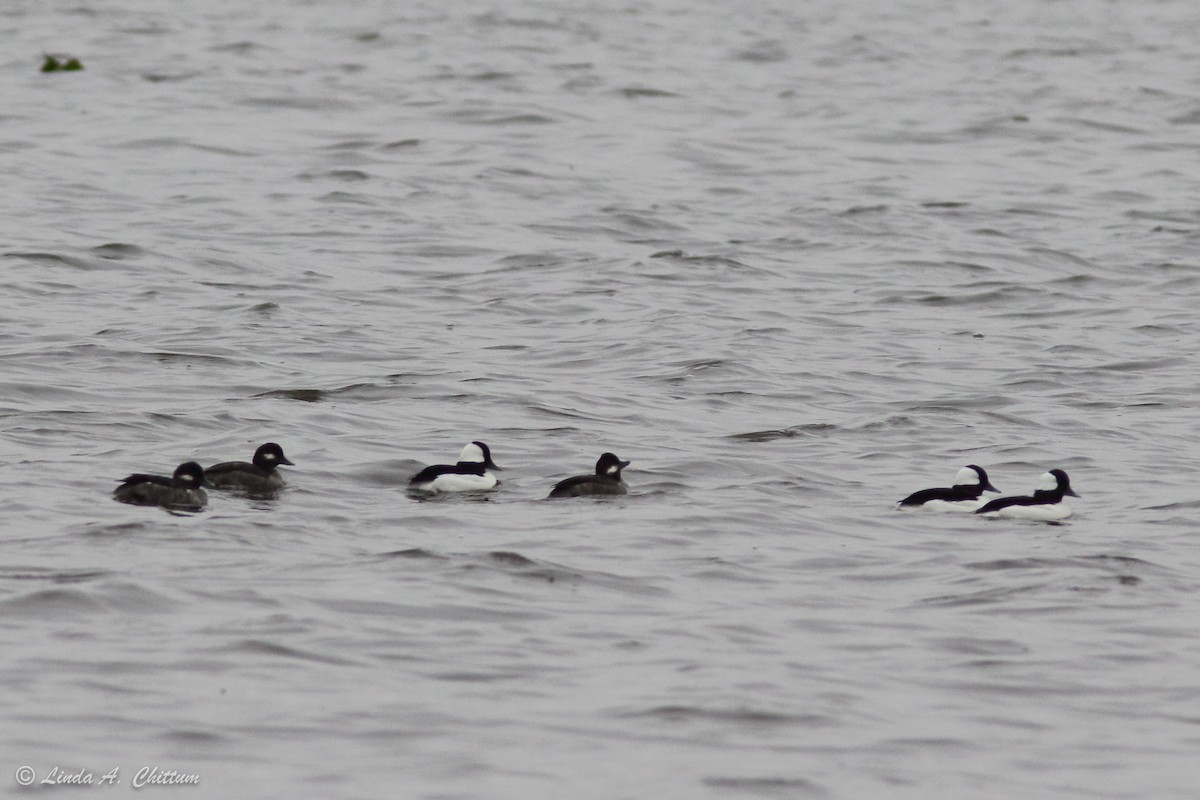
257,477
471,473
965,495
605,481
1046,504
181,490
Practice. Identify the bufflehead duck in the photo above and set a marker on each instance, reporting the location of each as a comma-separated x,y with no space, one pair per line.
1044,504
606,480
470,474
965,495
258,477
181,490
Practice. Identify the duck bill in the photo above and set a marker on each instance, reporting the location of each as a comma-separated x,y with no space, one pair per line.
990,488
623,464
1072,492
284,460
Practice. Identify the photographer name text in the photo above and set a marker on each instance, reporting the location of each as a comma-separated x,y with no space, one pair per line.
146,776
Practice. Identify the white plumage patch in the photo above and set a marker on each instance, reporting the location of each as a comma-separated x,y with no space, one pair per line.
966,477
472,453
958,505
459,483
1042,512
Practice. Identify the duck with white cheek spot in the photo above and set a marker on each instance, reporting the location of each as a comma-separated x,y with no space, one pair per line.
965,495
181,490
472,473
1046,504
258,476
605,481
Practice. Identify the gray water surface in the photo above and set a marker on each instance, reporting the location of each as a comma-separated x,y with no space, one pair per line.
793,260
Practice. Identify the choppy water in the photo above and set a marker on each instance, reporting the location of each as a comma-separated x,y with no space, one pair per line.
794,260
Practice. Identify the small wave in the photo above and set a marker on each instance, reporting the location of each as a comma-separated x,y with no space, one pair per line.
981,597
193,738
1142,365
119,529
769,787
170,77
54,576
303,395
51,259
1183,505
274,649
171,143
477,116
350,144
413,552
1102,561
765,51
298,103
242,47
343,175
744,716
402,144
634,92
514,564
119,251
1102,125
972,646
491,75
511,559
57,603
809,429
190,358
345,197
